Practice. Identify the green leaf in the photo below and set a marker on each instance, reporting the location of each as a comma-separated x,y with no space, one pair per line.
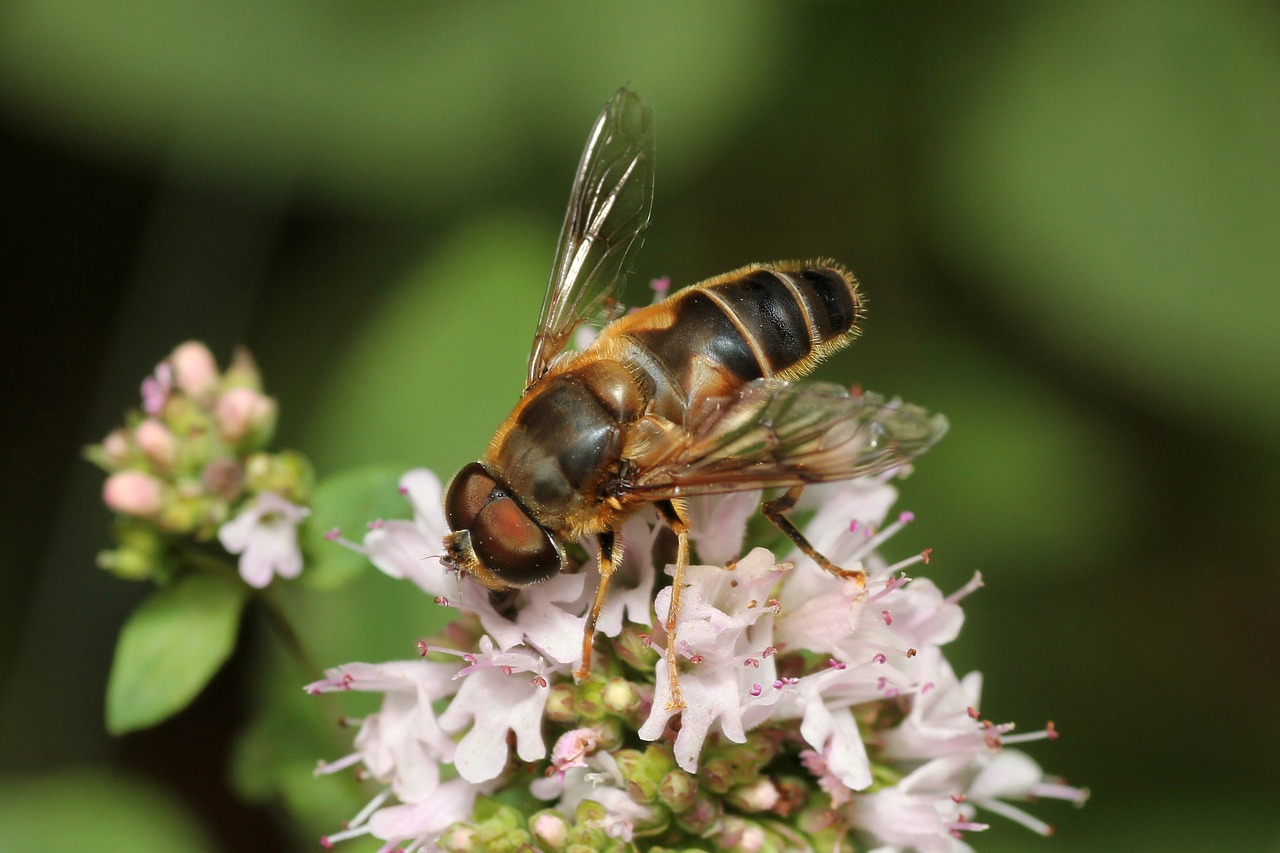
86,809
347,502
169,649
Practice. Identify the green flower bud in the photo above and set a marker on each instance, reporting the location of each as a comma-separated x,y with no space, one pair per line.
288,474
635,649
562,703
717,774
620,697
703,816
591,699
677,790
644,771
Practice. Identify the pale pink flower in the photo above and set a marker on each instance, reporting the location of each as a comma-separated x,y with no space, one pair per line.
402,745
265,535
503,692
717,609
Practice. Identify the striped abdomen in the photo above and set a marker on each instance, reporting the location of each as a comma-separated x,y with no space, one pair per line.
756,322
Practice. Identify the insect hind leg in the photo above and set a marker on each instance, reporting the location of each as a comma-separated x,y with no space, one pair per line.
674,515
775,510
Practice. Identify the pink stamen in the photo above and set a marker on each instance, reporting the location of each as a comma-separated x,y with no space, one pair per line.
836,664
333,534
376,524
888,619
756,689
906,517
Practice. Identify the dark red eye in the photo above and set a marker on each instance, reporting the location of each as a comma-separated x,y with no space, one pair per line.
512,545
468,493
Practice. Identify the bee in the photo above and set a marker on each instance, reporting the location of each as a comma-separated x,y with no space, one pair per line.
696,394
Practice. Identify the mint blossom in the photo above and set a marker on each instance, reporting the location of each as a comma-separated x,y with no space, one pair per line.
265,535
783,669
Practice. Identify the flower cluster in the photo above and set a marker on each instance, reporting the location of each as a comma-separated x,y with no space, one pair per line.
819,711
191,463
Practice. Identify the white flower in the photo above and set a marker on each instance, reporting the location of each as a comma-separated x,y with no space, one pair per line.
717,608
852,669
265,535
401,745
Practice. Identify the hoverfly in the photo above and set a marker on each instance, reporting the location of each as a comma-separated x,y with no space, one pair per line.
692,395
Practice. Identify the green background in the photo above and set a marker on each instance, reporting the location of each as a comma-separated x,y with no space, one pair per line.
1066,218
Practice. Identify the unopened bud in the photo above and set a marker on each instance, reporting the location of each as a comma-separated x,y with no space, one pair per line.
561,702
195,372
635,649
758,796
243,372
550,830
158,442
133,492
115,447
620,697
677,790
245,416
644,771
703,816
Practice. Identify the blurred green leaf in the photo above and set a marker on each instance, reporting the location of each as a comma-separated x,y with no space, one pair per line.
416,383
1107,172
169,649
346,502
78,810
383,103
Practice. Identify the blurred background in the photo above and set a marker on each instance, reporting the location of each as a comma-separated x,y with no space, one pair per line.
1066,218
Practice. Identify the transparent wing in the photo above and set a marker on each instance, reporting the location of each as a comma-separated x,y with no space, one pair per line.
776,434
608,209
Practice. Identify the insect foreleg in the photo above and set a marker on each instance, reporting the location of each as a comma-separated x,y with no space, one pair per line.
675,518
610,553
775,510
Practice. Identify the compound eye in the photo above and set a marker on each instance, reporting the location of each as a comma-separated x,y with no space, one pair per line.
512,546
467,494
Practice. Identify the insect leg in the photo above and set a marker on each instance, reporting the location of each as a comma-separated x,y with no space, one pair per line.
610,553
675,518
774,511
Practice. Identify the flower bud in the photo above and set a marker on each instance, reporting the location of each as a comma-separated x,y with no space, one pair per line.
635,649
243,372
677,790
703,816
133,492
717,774
620,697
223,478
550,830
244,416
643,771
158,442
115,447
561,704
195,372
758,796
